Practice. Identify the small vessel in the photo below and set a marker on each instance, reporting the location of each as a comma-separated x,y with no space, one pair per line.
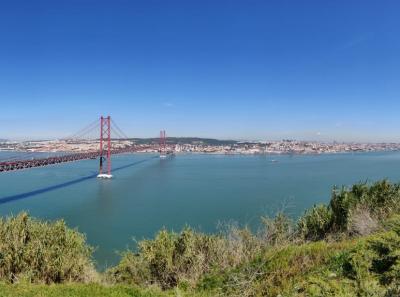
104,176
274,161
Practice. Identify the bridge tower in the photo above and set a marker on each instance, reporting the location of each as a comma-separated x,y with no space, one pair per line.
163,144
105,147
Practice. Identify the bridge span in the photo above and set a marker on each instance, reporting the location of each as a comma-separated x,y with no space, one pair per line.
40,162
105,126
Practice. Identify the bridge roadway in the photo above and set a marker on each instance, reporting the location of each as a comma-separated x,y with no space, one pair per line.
40,162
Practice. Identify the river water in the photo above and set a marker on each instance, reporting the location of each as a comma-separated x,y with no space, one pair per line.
148,193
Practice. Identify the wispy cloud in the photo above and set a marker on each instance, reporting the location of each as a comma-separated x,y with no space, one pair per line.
168,104
354,42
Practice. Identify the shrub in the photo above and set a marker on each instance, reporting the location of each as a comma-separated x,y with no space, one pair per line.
316,223
182,259
375,261
277,231
361,221
169,259
341,203
238,245
355,211
381,199
42,252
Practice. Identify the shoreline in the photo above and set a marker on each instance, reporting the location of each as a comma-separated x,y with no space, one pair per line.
277,153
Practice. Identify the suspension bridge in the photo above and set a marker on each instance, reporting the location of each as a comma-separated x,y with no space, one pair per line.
103,146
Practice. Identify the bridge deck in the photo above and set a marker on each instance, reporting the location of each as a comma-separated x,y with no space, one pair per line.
40,162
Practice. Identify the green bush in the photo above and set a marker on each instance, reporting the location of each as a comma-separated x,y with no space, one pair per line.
341,203
379,256
316,223
38,251
354,211
370,268
169,259
381,198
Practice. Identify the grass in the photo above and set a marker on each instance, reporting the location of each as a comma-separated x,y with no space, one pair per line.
90,290
75,290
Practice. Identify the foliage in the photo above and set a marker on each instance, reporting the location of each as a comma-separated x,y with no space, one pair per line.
38,251
182,259
369,268
353,210
277,231
379,257
315,223
170,259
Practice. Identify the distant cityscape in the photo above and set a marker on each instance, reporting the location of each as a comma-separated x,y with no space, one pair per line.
200,145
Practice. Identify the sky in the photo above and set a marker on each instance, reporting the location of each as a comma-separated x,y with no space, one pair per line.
247,70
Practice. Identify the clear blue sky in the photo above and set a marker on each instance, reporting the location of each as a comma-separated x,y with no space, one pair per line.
323,70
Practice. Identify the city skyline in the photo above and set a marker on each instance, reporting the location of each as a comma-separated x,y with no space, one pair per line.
226,70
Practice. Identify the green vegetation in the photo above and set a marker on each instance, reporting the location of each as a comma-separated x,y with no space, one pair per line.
36,251
75,290
350,247
354,211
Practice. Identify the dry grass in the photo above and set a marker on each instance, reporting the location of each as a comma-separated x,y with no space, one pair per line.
361,221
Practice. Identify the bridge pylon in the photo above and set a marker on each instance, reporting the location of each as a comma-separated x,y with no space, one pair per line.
105,147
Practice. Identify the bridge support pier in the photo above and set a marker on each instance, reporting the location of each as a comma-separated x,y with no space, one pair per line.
105,146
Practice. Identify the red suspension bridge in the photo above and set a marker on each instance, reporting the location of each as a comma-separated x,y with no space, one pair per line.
108,132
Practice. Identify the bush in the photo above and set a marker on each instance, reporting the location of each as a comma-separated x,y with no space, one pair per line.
182,259
373,265
238,245
341,202
277,231
353,211
316,223
385,249
45,252
169,259
381,199
361,221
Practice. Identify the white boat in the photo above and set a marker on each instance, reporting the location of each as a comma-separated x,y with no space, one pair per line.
105,176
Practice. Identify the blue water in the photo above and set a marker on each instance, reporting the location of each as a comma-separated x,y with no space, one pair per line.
148,193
